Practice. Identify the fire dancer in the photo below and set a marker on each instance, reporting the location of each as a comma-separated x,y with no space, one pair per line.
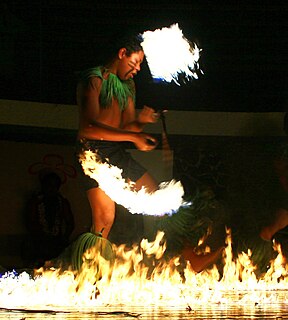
107,117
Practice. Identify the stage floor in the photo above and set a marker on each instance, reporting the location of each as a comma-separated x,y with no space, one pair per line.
268,311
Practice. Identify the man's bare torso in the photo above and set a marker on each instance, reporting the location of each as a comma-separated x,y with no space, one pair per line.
90,110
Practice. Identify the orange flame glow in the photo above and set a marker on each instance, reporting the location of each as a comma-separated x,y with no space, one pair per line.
166,200
140,276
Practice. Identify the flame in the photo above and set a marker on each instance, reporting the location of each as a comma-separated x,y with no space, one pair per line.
169,54
141,276
166,200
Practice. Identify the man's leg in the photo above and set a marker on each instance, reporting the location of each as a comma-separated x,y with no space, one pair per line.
148,182
103,211
199,262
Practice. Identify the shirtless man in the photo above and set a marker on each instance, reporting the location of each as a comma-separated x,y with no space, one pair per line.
107,117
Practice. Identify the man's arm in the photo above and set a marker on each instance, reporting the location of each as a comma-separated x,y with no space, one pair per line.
146,115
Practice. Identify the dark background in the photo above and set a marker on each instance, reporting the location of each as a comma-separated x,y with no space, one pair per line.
45,43
244,59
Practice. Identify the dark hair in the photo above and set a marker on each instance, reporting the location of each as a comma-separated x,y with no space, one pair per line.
131,41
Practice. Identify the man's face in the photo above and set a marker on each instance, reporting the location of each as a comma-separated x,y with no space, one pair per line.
130,65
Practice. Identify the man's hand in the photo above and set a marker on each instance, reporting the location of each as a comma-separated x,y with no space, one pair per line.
148,115
145,142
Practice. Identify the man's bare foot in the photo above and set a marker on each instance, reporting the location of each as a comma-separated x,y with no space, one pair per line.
199,262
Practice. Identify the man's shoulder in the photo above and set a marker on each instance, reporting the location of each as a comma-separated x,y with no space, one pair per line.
92,72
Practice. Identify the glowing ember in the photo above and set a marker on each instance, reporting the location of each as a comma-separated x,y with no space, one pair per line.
169,54
142,277
166,200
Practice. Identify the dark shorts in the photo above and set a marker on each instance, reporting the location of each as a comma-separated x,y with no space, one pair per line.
112,152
